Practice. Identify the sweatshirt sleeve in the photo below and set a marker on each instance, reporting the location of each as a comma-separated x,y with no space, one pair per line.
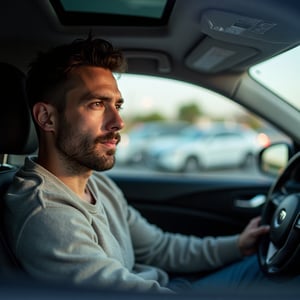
179,253
57,244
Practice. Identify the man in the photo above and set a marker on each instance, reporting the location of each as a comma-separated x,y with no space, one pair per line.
66,220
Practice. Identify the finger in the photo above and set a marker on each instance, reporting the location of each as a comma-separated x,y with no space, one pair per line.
261,230
253,222
256,221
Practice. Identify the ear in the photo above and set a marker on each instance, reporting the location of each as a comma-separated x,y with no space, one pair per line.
44,116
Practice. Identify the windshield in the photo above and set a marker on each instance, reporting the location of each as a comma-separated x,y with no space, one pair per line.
280,74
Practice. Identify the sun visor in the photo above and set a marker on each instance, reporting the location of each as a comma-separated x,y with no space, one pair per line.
214,56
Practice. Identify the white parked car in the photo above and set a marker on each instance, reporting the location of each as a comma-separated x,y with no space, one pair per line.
134,144
201,148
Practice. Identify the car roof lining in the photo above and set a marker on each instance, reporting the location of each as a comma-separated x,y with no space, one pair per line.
173,37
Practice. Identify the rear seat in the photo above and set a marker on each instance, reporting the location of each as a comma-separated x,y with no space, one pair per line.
17,136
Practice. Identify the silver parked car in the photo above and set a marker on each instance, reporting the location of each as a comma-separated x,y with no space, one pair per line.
215,146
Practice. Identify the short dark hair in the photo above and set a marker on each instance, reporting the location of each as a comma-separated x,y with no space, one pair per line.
51,69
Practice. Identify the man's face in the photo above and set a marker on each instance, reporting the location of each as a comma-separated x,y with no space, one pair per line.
88,132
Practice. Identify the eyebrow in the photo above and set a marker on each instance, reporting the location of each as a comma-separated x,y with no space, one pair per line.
86,97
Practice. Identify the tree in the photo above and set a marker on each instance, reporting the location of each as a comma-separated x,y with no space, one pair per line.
155,116
189,112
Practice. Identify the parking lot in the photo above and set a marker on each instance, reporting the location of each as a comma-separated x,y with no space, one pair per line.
251,171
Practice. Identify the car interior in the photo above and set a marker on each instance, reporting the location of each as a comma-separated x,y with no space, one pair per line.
211,44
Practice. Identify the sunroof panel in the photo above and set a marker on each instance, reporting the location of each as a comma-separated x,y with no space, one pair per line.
138,8
113,12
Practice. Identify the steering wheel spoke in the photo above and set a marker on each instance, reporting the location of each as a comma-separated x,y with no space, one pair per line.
272,251
276,199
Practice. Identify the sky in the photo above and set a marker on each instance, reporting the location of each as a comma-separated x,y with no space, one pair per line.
282,75
148,94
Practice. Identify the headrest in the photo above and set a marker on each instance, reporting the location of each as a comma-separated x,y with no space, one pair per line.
17,132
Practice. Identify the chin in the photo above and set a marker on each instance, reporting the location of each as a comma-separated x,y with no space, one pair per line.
106,164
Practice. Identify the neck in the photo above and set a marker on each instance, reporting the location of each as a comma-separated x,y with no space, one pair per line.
75,180
88,197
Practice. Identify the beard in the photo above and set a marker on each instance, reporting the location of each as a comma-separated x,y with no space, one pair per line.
81,151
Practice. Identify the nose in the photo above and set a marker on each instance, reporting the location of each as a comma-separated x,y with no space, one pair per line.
114,121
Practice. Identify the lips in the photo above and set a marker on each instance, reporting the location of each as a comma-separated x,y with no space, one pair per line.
110,143
111,139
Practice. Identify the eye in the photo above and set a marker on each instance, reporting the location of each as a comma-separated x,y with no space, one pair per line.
97,104
119,106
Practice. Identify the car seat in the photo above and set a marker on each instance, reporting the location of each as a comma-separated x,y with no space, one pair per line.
17,136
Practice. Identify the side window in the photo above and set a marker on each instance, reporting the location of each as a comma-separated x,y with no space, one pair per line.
174,127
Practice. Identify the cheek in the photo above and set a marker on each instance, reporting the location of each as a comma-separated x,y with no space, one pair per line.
86,121
91,126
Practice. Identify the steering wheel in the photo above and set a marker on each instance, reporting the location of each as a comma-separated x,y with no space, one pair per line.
279,251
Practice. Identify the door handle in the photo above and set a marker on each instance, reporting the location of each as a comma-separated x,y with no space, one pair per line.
255,202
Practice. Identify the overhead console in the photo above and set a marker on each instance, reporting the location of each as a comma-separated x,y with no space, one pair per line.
232,39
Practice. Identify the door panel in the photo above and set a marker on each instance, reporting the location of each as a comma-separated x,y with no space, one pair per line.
199,206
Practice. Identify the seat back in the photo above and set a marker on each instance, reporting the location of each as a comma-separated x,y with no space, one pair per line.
17,136
8,262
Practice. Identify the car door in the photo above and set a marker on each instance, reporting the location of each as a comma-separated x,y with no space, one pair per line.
195,205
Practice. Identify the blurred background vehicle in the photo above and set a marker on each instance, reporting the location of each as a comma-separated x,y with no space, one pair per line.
218,145
134,144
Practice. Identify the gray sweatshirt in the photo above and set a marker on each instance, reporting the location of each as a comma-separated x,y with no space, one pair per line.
57,236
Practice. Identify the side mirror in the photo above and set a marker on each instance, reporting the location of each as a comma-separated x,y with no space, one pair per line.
273,159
